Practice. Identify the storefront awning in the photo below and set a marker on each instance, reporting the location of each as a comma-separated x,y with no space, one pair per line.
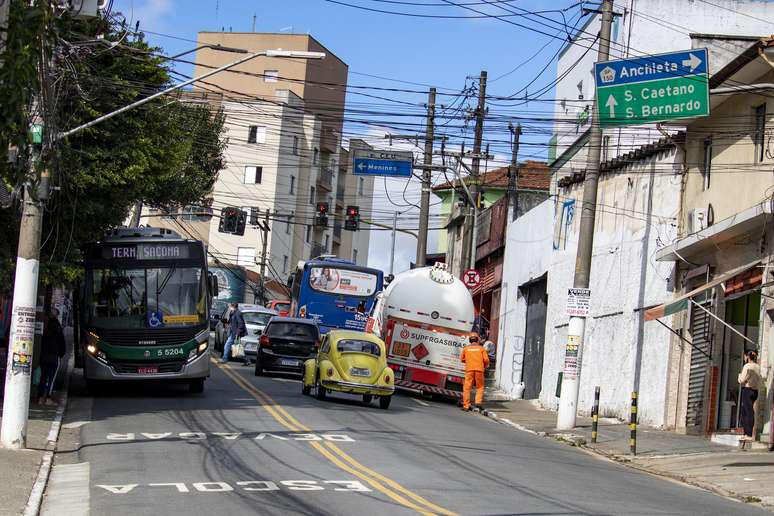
682,302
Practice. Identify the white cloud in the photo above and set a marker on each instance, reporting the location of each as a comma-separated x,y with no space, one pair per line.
153,15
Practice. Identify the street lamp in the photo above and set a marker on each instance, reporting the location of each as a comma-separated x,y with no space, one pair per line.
292,54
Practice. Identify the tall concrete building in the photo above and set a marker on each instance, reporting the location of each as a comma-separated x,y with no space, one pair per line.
284,120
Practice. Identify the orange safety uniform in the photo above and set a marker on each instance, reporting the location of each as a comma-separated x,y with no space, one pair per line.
476,360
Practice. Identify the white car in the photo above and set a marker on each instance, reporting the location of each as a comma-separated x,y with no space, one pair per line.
256,317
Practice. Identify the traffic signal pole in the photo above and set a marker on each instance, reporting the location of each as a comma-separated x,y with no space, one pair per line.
568,400
471,221
264,243
424,202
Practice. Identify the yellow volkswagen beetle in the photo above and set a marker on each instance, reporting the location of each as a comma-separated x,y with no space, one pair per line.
353,362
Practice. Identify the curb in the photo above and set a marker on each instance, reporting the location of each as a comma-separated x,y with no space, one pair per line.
626,461
36,495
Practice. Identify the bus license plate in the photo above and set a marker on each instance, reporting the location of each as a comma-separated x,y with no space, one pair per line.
147,370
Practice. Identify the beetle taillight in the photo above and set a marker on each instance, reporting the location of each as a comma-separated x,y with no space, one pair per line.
386,378
265,342
330,371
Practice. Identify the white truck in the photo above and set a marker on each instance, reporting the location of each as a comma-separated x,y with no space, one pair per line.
425,317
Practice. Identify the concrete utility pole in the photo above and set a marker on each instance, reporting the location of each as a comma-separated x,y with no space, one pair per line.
470,247
424,203
513,174
568,401
264,242
392,247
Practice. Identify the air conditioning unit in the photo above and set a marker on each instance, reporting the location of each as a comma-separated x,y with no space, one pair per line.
697,220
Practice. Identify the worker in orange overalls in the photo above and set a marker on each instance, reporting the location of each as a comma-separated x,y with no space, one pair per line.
476,360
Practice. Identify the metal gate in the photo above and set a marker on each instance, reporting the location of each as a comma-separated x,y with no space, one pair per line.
701,337
534,338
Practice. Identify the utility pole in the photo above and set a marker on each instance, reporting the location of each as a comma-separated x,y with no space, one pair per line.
424,203
513,174
392,247
264,241
568,401
470,247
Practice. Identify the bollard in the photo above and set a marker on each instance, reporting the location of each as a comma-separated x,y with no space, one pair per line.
595,415
633,425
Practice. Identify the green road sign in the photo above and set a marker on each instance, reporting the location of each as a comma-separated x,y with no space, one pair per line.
652,88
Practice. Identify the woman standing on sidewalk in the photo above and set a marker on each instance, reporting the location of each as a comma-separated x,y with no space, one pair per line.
750,381
52,349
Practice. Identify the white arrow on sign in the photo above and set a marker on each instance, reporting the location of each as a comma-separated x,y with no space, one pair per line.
611,103
693,62
360,166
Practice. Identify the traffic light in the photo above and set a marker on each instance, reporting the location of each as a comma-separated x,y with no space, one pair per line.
352,220
232,220
322,214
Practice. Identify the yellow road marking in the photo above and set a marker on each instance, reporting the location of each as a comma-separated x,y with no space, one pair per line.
335,454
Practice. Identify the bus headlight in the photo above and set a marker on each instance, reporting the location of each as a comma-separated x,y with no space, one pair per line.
202,347
92,349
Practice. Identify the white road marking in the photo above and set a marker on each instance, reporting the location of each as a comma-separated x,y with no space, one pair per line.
423,403
286,380
75,424
68,491
217,486
231,436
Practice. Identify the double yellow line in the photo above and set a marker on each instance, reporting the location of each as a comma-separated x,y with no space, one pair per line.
336,455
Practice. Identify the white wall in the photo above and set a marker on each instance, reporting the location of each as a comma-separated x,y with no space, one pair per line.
527,256
637,213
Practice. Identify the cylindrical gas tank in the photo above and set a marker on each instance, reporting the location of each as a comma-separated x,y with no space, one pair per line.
430,295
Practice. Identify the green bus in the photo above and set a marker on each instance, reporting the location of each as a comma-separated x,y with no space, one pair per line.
144,308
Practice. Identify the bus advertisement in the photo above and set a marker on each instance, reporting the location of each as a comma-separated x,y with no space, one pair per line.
336,293
144,308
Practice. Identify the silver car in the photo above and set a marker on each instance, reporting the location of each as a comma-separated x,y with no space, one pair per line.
256,317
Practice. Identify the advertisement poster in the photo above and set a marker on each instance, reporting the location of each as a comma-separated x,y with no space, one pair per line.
413,345
340,281
22,339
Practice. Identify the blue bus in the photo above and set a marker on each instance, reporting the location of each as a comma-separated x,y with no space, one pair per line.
334,292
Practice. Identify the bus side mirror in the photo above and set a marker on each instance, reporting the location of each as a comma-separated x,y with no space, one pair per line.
213,285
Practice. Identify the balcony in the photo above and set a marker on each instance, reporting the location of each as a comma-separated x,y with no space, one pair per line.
325,178
329,139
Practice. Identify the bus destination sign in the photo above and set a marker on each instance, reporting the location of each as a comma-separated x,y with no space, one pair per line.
146,252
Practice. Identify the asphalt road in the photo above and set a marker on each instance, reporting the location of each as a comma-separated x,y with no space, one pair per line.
256,445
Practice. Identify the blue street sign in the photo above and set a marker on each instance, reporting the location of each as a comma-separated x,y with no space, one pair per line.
382,167
648,68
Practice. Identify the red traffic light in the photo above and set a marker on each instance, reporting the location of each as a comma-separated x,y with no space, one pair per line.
353,211
322,207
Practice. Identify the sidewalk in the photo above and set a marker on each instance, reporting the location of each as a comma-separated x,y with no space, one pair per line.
19,468
746,475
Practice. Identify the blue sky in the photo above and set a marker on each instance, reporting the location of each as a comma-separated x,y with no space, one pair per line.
438,52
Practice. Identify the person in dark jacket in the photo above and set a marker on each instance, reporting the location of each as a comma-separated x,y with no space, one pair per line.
52,349
236,329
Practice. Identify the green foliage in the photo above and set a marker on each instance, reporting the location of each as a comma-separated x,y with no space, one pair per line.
166,153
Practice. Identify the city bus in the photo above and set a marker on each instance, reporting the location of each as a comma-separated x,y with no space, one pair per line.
144,308
334,292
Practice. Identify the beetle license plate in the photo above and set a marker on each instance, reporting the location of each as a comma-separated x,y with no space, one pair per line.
147,370
357,371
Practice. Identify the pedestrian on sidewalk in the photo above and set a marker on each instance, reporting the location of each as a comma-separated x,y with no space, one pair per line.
750,382
52,349
476,361
236,329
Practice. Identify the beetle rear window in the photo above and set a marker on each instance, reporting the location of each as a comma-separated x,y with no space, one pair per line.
358,346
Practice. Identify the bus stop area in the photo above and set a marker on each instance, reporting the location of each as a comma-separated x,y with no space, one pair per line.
20,471
745,475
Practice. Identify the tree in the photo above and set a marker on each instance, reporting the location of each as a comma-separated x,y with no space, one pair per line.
166,153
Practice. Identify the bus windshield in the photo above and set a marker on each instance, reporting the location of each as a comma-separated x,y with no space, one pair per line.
147,298
331,280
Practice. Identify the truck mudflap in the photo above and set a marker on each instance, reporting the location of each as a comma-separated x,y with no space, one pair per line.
431,389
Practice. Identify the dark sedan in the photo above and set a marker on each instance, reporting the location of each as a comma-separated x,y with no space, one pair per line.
286,343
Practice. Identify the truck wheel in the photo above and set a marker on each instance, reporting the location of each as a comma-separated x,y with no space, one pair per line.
367,398
196,386
384,402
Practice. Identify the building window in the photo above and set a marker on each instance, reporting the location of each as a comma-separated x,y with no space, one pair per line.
314,156
605,148
288,223
308,233
256,134
311,195
706,163
325,245
270,75
292,185
295,145
284,264
246,256
360,185
354,255
760,132
253,175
